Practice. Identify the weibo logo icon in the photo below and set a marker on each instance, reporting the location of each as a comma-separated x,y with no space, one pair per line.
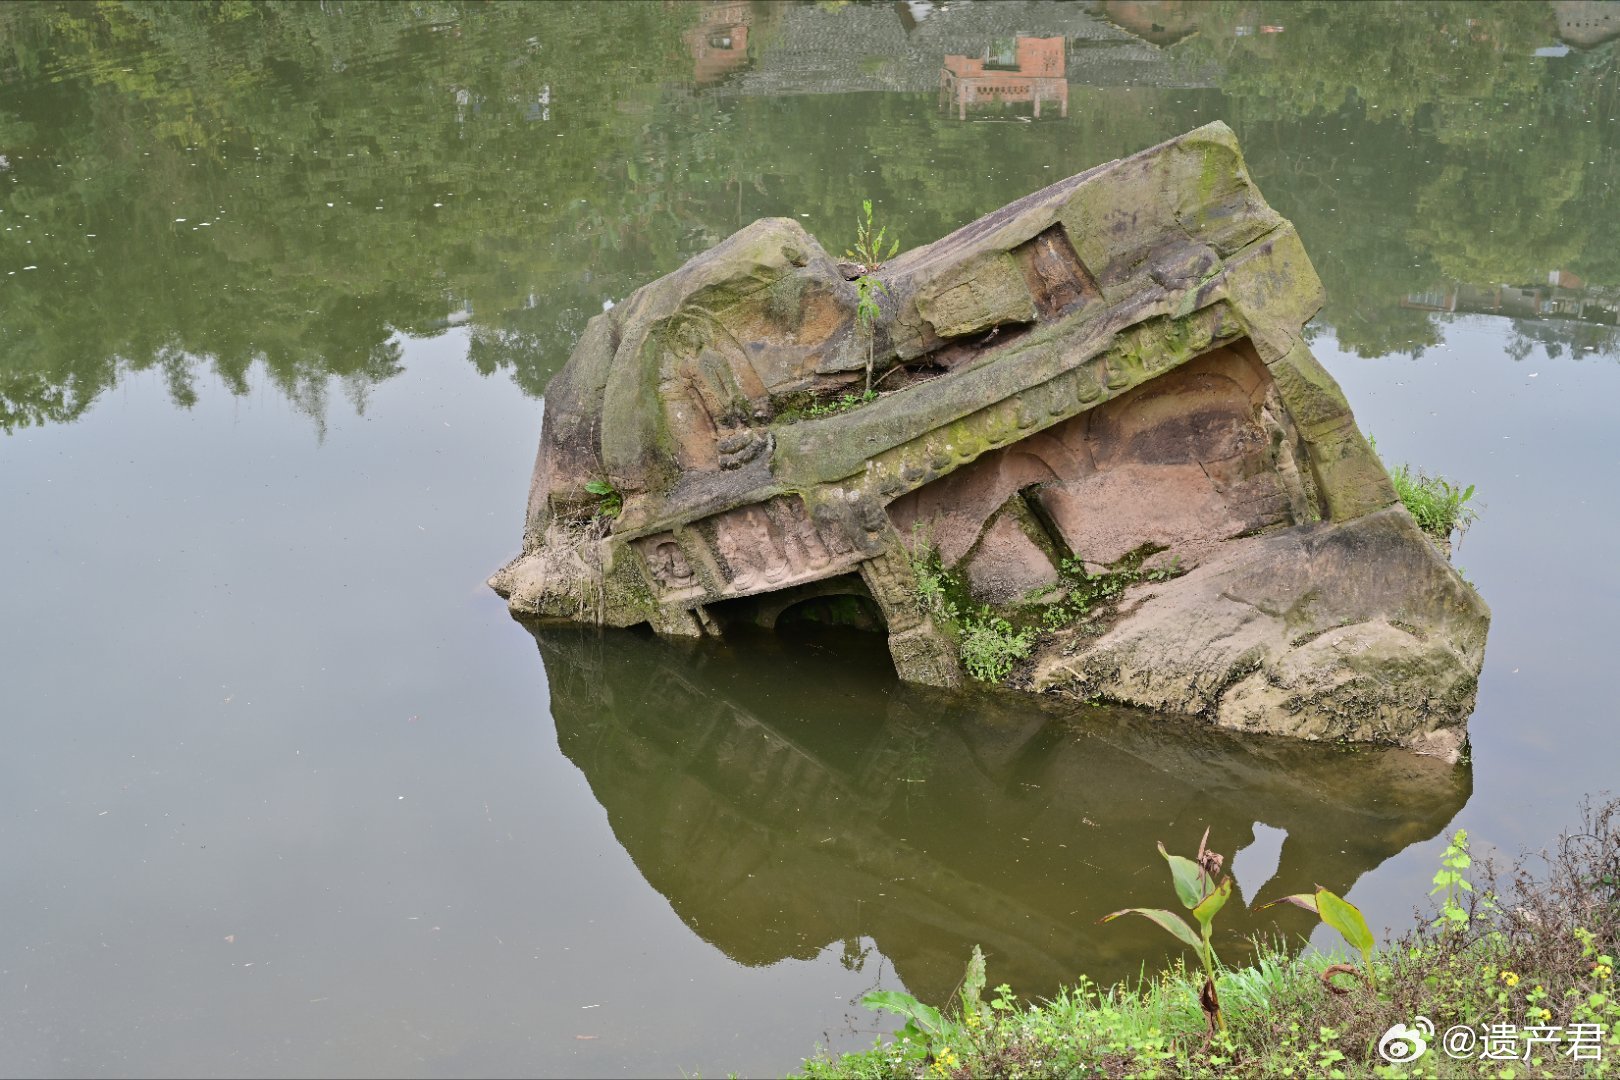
1402,1043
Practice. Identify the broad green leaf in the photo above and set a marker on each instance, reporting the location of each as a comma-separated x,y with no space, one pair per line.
1209,905
1188,876
1169,920
1304,900
1346,918
926,1017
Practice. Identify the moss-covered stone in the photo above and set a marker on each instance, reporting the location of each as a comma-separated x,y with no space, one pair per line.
983,292
1123,349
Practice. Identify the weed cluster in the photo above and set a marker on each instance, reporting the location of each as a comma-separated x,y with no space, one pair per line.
991,645
1084,591
1528,971
1437,505
609,500
815,410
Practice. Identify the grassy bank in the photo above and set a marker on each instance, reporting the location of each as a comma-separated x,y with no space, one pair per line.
1525,959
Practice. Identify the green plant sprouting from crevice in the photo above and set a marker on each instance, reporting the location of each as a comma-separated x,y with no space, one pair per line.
609,500
867,311
868,249
815,410
988,645
869,252
992,643
1084,591
991,647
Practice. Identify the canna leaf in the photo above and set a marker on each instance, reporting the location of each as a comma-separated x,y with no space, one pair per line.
1169,920
1189,878
926,1017
1209,905
1346,918
1304,900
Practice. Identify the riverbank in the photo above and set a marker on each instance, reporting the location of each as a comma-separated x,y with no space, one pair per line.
1512,974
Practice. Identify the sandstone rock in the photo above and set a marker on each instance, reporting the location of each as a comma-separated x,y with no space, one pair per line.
1110,367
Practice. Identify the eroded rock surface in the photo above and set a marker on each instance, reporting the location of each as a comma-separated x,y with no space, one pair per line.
1109,369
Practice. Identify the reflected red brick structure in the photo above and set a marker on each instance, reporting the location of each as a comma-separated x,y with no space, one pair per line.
1032,70
719,42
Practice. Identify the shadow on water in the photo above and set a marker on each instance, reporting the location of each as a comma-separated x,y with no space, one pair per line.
787,793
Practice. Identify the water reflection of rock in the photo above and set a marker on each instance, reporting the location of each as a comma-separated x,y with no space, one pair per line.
783,806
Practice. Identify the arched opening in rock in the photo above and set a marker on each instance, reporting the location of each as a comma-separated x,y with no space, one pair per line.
840,601
855,612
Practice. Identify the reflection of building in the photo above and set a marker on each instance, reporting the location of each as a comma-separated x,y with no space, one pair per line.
1020,69
719,41
896,48
1564,296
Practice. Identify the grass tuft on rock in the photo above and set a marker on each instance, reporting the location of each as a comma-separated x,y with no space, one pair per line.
1437,505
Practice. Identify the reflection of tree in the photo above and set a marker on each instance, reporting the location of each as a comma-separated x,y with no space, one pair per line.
1460,158
1563,337
1455,155
787,805
1396,59
304,147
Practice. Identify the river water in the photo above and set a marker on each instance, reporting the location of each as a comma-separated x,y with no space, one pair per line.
286,792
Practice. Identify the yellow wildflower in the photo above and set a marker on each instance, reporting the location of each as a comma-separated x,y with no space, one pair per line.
1601,971
1511,978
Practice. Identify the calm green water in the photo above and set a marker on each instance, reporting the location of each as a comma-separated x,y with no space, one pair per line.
286,792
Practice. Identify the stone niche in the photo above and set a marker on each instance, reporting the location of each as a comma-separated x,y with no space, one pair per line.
1197,456
1112,366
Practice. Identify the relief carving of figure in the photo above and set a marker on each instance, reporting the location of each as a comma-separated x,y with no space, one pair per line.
669,565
